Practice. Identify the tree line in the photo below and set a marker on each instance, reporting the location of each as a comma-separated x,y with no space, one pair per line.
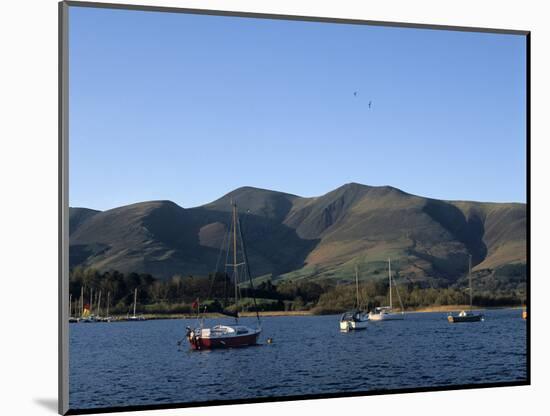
181,294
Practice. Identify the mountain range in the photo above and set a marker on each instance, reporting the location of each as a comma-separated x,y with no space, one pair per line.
292,237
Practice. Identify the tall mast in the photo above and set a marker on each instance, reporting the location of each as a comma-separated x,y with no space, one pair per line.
470,277
135,300
389,278
108,301
91,300
70,305
81,300
357,286
99,304
235,265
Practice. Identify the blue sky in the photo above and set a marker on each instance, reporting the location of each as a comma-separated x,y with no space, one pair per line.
188,108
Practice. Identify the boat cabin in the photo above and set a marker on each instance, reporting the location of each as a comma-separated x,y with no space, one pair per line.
354,316
224,330
382,309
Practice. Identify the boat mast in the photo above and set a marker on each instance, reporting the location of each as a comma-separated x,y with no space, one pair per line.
246,264
470,277
357,286
70,305
235,265
108,301
91,300
135,299
81,300
99,304
389,278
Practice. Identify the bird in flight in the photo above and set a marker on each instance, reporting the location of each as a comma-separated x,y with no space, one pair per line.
355,93
370,103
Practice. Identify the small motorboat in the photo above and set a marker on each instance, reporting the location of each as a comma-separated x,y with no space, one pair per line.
465,316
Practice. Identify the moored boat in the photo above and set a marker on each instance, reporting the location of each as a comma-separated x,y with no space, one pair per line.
354,319
467,316
72,319
222,335
134,317
88,318
107,317
386,313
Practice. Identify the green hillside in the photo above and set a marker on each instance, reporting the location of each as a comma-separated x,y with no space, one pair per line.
290,237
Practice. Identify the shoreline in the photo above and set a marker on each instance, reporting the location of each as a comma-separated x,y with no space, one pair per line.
458,308
273,314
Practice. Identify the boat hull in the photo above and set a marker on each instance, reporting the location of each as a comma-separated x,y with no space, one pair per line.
233,341
88,320
353,325
460,319
387,317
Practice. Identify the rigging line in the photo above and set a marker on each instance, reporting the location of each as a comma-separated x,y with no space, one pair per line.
245,257
213,280
398,295
226,275
222,247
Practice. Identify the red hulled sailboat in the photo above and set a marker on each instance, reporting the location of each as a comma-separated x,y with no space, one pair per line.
231,335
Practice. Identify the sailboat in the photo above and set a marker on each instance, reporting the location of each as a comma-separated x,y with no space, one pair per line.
235,335
72,319
467,316
87,310
354,319
386,313
107,318
135,317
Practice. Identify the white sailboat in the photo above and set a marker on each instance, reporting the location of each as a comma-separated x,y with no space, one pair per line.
107,318
354,319
135,317
72,319
386,313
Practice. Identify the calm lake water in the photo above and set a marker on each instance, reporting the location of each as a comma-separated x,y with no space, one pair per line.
140,363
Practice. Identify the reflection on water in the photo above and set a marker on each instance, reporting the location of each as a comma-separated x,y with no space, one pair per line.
139,363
